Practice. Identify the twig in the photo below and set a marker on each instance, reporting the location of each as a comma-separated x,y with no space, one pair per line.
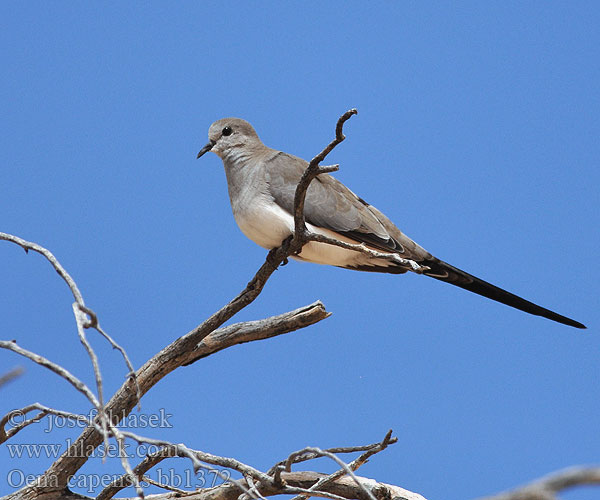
166,486
294,490
354,465
68,376
171,449
302,235
120,438
132,374
247,331
332,456
140,469
256,481
44,410
338,451
252,490
309,175
179,352
79,306
28,245
59,370
80,320
11,375
548,486
347,488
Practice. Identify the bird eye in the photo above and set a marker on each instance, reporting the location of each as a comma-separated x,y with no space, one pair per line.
227,130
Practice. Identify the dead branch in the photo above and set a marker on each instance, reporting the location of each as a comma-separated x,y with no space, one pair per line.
92,320
43,411
343,488
352,466
140,469
84,318
65,374
311,173
321,453
248,331
338,451
547,487
59,370
218,340
11,375
255,484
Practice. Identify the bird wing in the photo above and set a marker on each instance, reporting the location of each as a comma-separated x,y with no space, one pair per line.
331,205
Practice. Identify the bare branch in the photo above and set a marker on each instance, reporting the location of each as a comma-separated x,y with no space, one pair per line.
140,469
169,449
131,375
79,308
28,245
362,459
547,487
21,412
179,352
68,376
312,171
334,457
200,456
166,486
256,481
11,375
354,465
59,370
249,331
343,488
339,450
118,435
252,490
81,321
347,487
294,490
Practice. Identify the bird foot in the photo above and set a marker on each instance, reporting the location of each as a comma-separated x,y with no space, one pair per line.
416,267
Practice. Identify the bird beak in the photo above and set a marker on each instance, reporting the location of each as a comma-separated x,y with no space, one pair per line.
206,149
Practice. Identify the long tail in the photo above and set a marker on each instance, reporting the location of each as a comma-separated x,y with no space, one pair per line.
443,271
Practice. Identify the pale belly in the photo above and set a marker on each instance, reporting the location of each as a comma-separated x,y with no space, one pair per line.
268,225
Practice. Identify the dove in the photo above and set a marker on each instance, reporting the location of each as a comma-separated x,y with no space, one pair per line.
262,182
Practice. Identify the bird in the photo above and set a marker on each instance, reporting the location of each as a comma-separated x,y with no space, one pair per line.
262,183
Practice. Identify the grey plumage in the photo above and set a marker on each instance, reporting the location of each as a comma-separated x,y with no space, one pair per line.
262,183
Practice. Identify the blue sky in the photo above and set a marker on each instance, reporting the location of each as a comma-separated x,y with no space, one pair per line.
477,134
